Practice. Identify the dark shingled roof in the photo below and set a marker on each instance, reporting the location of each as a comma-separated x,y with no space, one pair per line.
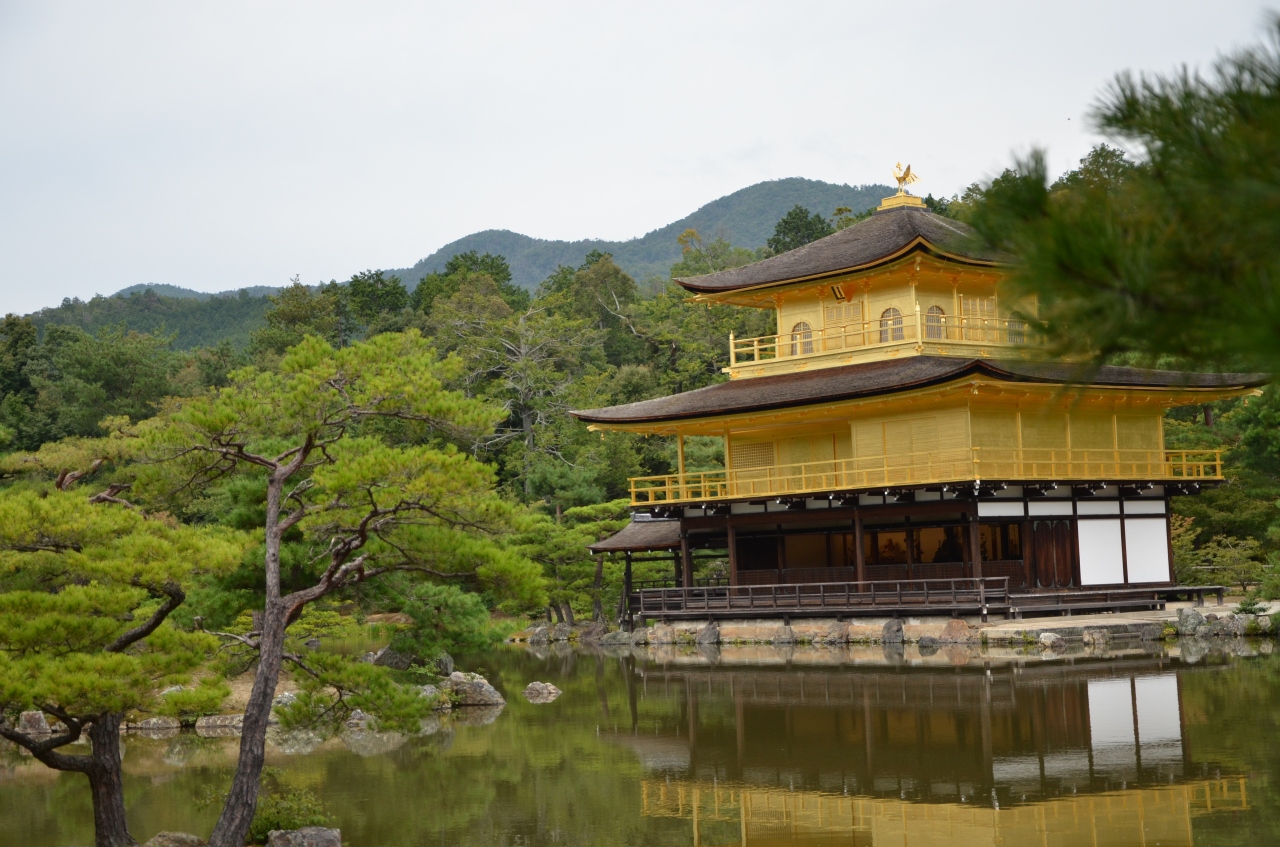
890,376
879,237
641,535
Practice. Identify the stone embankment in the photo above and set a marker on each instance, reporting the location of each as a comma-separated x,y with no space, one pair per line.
1053,634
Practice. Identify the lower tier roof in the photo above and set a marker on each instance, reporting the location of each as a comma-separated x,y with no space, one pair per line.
890,376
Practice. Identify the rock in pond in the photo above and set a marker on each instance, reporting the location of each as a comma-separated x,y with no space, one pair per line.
928,645
1096,638
388,658
444,664
1189,620
891,632
956,632
443,704
308,836
1051,641
471,689
175,839
540,637
709,634
592,634
621,638
541,692
561,632
219,726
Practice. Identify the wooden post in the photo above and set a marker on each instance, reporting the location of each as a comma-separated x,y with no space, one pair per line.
733,554
975,542
686,559
626,593
861,574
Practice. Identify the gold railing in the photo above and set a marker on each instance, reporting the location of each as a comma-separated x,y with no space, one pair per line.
883,332
906,469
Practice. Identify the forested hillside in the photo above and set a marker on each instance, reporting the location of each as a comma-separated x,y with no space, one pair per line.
196,319
746,218
202,321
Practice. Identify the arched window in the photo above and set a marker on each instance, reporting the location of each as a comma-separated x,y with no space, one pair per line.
890,325
801,339
933,323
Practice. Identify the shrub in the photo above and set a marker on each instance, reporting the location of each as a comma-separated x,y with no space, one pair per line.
286,808
1251,605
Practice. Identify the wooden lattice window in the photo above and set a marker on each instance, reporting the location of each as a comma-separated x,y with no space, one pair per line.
933,322
890,325
801,339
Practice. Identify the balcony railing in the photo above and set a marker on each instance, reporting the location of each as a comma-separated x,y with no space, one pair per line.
884,332
907,469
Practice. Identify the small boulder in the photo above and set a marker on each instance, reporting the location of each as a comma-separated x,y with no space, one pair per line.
388,658
1096,638
219,726
891,632
1204,630
368,658
709,634
358,719
159,722
561,632
621,638
308,836
641,637
541,636
33,723
662,634
541,692
1235,625
175,839
1051,641
444,664
471,689
443,704
956,632
928,645
835,633
1189,620
1150,632
593,633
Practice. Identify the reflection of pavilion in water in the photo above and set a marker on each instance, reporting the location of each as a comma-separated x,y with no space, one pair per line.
861,749
764,817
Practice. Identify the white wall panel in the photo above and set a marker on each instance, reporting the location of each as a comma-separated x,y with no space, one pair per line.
999,510
1144,507
1043,507
1146,547
1098,507
1101,557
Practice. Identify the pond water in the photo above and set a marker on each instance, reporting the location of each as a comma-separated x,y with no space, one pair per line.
766,747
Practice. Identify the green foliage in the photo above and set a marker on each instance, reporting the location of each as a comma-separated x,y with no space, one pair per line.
445,619
371,294
101,570
797,228
335,686
1251,605
1175,255
698,257
295,313
204,698
153,310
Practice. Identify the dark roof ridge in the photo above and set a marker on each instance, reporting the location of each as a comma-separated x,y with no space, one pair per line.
885,236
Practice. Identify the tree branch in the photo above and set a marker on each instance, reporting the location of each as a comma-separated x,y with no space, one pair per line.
175,598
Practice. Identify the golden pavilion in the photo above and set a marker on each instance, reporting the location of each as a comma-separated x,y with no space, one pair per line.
901,441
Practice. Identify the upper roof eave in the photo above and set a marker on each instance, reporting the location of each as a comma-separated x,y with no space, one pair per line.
917,245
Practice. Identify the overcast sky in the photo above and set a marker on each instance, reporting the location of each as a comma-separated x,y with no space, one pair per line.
216,145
